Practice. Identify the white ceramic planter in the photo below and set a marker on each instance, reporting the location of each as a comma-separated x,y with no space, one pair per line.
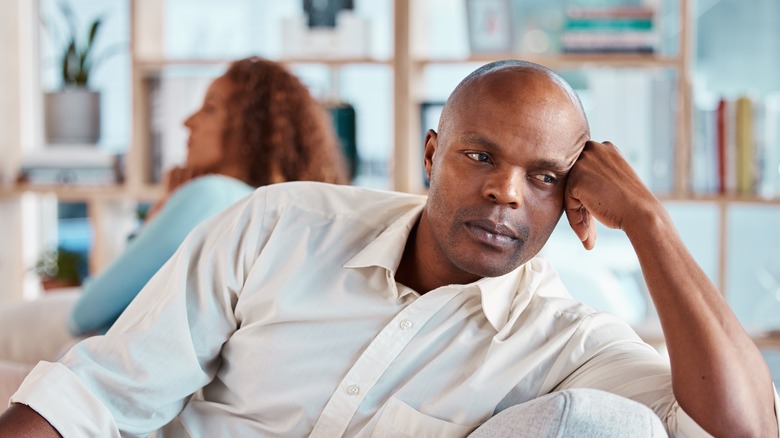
72,116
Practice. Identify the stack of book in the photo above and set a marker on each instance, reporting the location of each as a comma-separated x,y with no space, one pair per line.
623,29
737,147
85,165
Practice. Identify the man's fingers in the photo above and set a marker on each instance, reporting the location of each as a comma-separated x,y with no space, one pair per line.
581,222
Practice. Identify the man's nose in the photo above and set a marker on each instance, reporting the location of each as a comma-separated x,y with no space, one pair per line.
506,187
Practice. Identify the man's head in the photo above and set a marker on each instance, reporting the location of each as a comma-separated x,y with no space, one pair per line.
508,136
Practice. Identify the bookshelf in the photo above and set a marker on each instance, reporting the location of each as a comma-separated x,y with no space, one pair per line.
407,65
148,58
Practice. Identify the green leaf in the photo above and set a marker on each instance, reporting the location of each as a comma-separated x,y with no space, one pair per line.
70,18
80,58
68,61
92,32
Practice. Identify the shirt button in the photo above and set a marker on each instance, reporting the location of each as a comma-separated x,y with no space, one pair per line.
353,390
406,324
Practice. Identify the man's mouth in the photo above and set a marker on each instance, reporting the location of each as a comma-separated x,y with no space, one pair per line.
493,233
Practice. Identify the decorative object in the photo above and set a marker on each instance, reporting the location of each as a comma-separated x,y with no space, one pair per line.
60,268
490,26
327,28
72,114
343,115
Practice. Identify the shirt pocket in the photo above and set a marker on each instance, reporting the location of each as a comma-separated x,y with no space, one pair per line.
401,420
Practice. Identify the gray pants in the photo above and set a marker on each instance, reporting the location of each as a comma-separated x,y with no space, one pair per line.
574,413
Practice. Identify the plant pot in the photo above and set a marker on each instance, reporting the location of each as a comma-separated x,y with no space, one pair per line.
72,116
54,284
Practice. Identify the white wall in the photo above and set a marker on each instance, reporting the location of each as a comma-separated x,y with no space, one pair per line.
16,125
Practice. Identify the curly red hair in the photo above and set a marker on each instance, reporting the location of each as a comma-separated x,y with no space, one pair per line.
277,128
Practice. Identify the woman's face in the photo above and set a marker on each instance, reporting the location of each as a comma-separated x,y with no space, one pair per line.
205,151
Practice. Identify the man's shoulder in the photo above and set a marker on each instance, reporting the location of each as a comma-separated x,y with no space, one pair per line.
338,200
549,292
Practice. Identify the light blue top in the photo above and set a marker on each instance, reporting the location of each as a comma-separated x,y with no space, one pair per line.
106,295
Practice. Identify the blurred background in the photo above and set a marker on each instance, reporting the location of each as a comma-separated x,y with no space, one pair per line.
686,88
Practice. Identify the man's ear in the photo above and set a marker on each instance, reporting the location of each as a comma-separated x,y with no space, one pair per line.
431,143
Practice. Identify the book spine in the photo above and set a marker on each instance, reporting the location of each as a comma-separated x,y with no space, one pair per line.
770,175
589,42
731,147
154,122
608,25
745,148
636,12
720,127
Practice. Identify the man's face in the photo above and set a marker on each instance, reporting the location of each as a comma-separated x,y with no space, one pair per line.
498,172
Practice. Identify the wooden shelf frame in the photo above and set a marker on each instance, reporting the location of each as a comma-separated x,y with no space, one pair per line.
407,70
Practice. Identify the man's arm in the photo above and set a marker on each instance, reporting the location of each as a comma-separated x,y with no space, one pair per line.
21,421
171,335
718,375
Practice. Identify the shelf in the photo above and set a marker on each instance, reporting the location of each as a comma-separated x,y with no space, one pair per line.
721,199
83,193
562,61
153,65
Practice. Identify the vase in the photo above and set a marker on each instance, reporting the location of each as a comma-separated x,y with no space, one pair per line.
72,116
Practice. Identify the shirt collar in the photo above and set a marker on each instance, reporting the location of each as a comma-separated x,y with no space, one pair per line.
504,295
385,250
500,296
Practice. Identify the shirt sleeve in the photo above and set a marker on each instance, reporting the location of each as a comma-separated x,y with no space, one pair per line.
106,295
165,346
618,361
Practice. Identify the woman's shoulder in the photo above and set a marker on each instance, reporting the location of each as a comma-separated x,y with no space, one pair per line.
215,190
215,185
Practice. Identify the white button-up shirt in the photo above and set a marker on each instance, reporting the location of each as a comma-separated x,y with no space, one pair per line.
285,310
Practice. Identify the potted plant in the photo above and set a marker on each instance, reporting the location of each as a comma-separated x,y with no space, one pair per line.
60,268
72,113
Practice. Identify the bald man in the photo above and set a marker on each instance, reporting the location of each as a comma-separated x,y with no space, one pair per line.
315,310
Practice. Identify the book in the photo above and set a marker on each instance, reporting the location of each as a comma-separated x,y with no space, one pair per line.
635,12
71,165
73,175
704,163
727,147
720,138
769,184
609,25
608,42
624,29
69,157
662,132
154,116
745,148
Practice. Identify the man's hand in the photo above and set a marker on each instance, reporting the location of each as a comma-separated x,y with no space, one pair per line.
602,185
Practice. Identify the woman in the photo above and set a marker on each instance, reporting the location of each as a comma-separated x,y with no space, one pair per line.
258,125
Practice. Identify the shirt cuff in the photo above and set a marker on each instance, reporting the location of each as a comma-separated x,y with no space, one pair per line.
686,426
52,390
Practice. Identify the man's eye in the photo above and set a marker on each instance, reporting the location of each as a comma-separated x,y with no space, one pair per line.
547,179
479,156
